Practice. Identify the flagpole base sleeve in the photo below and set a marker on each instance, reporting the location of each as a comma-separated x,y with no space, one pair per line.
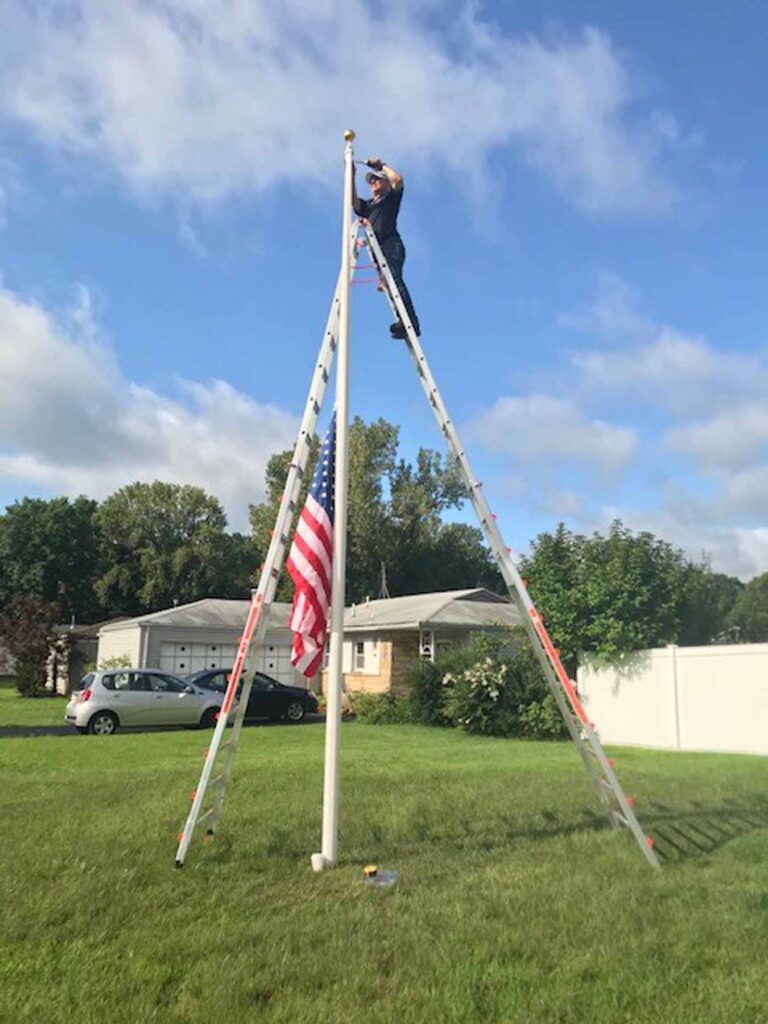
319,862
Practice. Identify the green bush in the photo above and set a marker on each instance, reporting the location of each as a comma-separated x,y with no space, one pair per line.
499,694
541,720
426,693
426,689
116,661
382,708
480,688
479,700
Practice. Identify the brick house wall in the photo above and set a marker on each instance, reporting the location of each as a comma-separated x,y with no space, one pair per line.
405,654
398,653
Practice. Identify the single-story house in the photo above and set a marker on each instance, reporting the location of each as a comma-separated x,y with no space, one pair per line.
75,649
381,638
203,634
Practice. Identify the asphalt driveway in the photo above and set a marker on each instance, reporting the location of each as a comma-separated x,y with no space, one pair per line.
14,731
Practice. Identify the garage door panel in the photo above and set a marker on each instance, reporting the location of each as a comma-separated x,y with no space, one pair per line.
182,658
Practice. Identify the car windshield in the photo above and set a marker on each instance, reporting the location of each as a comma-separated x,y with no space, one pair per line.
196,675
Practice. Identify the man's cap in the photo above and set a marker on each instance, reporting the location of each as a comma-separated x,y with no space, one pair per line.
371,175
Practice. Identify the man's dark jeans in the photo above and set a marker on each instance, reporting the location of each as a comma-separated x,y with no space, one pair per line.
394,253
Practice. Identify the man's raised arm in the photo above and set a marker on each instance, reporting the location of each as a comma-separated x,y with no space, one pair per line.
358,205
394,177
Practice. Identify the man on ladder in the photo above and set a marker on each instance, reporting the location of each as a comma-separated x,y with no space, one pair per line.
381,211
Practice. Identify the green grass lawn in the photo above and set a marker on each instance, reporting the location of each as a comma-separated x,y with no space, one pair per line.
18,710
514,903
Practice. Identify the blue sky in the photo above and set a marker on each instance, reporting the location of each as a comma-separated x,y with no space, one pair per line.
584,217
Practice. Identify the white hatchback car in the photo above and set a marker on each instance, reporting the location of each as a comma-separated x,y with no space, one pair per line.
112,698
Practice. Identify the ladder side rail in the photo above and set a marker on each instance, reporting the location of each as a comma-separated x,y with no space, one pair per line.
531,619
270,574
557,678
200,792
281,532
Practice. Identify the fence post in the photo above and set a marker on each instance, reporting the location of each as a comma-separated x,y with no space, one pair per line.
672,648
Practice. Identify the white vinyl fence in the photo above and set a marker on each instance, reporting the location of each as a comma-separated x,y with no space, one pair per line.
683,698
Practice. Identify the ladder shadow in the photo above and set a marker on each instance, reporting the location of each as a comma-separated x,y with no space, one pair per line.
679,835
702,828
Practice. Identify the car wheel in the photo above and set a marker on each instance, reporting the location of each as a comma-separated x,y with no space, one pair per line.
210,716
103,723
295,711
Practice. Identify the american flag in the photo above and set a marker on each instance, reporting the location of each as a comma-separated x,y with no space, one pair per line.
309,563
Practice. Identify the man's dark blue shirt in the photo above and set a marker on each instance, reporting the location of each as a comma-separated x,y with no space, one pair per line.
382,215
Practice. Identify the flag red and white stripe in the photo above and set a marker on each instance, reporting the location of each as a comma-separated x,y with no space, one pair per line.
309,564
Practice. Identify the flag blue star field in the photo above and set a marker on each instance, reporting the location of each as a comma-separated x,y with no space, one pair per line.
309,563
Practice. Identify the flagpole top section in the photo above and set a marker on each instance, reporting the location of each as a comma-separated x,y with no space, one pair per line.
349,135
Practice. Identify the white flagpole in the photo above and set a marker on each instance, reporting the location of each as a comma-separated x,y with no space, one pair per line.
330,838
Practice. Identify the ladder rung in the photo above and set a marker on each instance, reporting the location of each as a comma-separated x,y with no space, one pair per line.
207,814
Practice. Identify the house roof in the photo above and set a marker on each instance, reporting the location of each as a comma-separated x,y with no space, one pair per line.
88,630
459,608
209,613
467,608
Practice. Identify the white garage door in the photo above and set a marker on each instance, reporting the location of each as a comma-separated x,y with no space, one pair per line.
275,660
184,658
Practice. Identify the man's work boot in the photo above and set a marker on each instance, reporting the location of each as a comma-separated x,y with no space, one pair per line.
397,329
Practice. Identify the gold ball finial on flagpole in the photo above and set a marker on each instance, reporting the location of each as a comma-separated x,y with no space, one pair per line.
349,135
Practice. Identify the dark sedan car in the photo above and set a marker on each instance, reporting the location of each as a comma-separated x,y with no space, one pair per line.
268,698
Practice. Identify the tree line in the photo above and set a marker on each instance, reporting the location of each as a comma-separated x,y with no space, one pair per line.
151,545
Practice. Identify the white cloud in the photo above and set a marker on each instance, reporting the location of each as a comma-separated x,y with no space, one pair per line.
613,316
70,422
746,493
655,364
539,427
679,395
680,373
733,549
728,440
192,97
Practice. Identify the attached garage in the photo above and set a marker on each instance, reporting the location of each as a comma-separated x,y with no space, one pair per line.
204,634
182,657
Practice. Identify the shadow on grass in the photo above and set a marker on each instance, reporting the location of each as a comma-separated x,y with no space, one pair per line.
703,828
679,835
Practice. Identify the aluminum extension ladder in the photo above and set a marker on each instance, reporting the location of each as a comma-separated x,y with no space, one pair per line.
217,768
617,805
208,796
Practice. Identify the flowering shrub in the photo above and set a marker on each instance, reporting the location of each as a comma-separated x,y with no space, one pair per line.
478,699
502,695
480,688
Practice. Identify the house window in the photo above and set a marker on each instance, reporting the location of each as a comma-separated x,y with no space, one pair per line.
426,645
359,658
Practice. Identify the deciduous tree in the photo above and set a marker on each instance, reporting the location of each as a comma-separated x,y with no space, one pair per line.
395,517
28,630
161,543
50,548
749,617
610,595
